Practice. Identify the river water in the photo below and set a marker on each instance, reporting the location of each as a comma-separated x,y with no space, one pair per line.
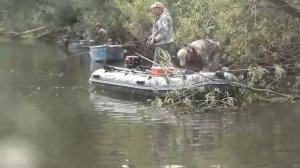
48,119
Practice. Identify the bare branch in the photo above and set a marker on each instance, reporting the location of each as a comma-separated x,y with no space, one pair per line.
286,7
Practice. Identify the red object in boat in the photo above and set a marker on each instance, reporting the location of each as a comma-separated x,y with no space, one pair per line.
128,61
157,70
132,62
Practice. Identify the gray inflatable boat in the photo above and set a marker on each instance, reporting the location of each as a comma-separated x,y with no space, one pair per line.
129,83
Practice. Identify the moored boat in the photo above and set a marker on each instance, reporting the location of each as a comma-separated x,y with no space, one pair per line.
103,53
134,83
73,46
77,46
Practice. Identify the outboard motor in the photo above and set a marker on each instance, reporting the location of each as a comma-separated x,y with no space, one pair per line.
220,75
132,62
226,76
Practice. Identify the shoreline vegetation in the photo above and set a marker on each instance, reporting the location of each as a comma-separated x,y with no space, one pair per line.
260,84
261,38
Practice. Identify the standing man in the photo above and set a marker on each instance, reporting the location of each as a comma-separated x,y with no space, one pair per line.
97,35
162,37
101,36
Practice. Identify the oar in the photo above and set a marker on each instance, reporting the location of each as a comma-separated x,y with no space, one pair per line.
122,69
145,58
77,40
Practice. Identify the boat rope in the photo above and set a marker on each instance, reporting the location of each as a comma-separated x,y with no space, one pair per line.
70,57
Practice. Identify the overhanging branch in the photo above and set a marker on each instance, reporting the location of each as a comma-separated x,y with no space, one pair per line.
286,7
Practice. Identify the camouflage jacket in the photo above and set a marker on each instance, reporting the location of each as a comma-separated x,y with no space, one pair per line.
101,36
162,30
210,52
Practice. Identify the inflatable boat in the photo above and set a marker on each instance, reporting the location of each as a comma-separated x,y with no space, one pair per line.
132,83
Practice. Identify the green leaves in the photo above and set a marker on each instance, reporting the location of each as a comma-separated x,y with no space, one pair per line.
248,30
256,75
279,72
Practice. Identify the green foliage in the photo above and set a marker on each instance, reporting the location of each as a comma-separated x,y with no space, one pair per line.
256,75
156,103
248,29
279,72
229,101
193,98
251,31
211,98
166,59
138,18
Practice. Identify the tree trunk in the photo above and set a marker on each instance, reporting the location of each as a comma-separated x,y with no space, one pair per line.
283,5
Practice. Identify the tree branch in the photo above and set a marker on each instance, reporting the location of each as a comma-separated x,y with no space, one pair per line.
286,7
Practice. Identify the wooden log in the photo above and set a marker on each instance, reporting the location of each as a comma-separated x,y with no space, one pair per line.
2,31
34,30
50,34
13,34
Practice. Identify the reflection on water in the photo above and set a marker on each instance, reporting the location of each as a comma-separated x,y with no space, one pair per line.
129,111
119,109
213,139
49,119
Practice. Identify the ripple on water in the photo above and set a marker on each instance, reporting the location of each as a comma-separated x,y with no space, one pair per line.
129,111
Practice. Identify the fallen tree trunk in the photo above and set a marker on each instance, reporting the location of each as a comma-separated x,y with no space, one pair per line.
34,30
51,35
14,34
238,84
2,31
